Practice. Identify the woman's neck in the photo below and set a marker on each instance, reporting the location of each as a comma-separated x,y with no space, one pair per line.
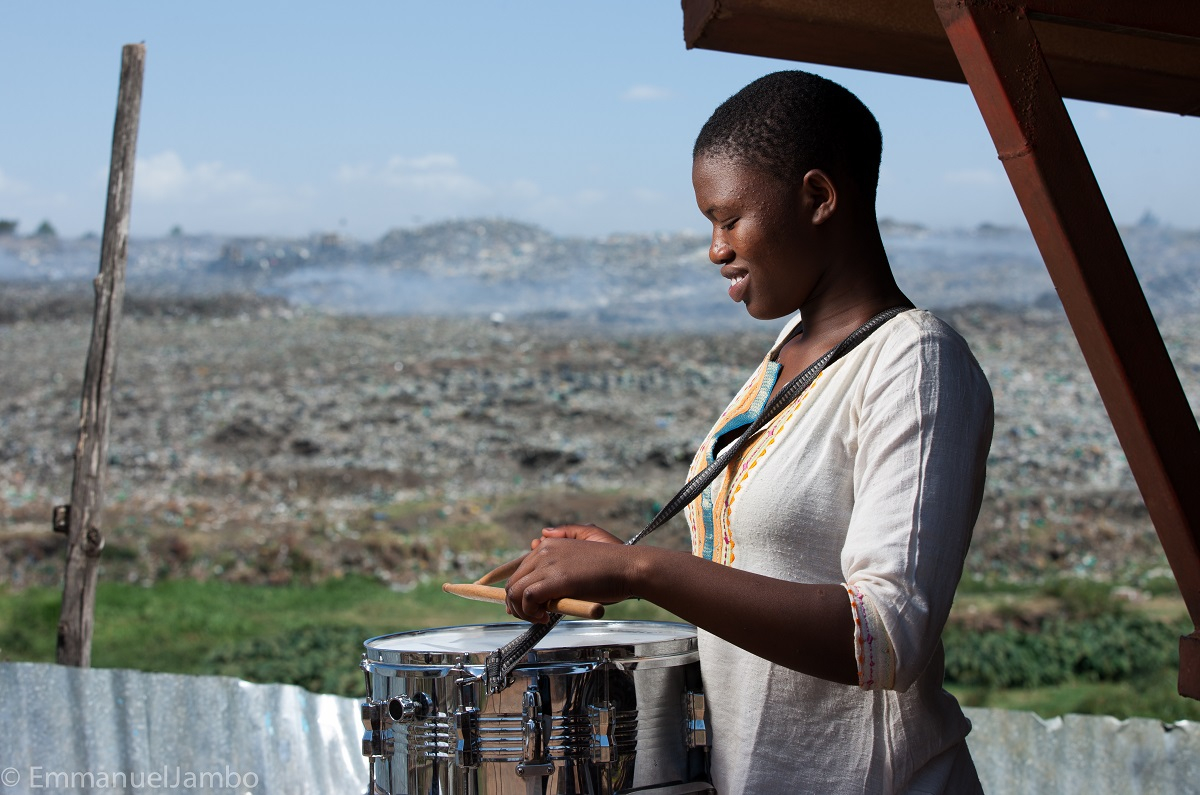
860,285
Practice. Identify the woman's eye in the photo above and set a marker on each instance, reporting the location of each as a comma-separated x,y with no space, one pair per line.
729,224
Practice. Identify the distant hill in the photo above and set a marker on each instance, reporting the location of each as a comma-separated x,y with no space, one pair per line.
488,266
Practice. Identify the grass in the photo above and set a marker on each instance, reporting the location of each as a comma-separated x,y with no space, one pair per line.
1152,697
313,636
307,635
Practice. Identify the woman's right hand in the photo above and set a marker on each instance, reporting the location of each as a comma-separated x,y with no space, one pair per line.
579,532
575,561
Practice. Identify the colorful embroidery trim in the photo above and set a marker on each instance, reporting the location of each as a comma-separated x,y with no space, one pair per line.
743,411
873,650
712,536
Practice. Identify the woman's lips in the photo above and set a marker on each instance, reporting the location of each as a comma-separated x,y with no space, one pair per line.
737,286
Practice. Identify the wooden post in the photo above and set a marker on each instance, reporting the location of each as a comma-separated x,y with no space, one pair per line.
82,517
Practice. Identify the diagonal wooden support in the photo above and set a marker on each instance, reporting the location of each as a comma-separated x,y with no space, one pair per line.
1003,64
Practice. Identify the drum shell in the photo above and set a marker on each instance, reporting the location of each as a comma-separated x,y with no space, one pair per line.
612,714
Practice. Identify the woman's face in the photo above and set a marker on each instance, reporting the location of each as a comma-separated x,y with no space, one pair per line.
762,235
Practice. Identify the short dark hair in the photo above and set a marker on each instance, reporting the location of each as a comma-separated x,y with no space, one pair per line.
788,123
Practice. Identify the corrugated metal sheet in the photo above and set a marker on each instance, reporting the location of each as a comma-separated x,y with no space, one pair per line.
72,730
89,731
1018,752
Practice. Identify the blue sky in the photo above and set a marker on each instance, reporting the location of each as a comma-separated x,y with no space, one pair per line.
291,118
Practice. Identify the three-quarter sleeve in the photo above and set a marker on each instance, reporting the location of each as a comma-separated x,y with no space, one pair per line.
923,428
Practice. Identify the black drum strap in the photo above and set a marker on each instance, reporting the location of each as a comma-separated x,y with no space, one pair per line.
499,664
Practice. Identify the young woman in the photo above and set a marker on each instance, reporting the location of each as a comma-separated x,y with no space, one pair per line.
826,556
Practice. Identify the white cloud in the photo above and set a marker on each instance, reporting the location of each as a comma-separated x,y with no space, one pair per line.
645,93
165,177
431,162
376,196
417,188
213,196
524,190
973,177
590,196
11,186
432,174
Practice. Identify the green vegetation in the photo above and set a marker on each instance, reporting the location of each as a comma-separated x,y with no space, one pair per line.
1067,645
1111,648
1150,697
1064,646
310,636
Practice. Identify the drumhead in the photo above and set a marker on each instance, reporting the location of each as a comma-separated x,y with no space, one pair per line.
568,641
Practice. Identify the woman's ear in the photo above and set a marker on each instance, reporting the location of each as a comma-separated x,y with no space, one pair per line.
819,196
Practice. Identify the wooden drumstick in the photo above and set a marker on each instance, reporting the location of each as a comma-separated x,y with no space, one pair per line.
484,593
499,573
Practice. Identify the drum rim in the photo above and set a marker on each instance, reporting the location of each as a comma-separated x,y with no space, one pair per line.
683,649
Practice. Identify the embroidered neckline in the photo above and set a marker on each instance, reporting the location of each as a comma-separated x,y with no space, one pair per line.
770,370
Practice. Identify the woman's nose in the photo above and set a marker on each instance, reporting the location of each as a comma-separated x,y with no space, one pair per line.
719,252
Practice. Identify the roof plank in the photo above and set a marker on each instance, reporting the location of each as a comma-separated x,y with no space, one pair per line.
1142,55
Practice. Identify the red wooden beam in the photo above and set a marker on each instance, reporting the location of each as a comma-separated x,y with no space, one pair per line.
1168,19
1003,64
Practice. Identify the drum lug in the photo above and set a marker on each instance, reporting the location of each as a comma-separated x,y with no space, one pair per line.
603,747
377,740
378,717
375,743
373,715
534,761
695,720
467,753
378,745
466,724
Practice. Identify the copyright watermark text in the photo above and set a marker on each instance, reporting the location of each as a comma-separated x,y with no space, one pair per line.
166,778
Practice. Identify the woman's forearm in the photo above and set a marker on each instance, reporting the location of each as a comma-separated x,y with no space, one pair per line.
808,628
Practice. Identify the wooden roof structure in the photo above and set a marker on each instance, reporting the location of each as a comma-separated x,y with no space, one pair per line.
1020,58
1143,55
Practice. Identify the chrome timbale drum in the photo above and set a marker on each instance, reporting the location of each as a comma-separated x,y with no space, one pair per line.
600,707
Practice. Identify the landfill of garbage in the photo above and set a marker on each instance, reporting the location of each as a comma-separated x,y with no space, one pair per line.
260,437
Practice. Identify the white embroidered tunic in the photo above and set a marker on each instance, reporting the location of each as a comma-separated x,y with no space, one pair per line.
872,478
